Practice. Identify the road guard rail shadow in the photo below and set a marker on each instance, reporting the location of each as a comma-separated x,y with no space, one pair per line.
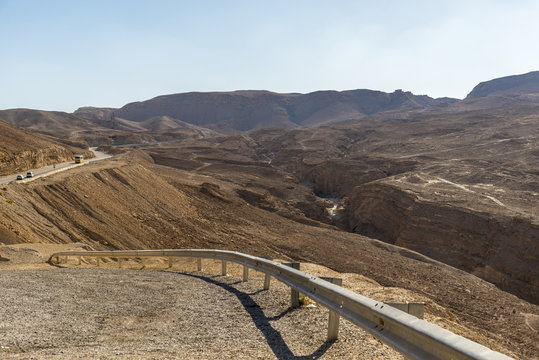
263,323
409,335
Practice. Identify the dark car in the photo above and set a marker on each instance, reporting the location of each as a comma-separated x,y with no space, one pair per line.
20,177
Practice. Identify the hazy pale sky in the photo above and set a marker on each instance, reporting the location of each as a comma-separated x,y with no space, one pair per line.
60,55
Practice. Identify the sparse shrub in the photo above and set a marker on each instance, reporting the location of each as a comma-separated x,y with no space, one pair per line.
9,201
1,193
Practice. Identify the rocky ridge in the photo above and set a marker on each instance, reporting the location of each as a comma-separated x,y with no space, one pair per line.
239,111
509,85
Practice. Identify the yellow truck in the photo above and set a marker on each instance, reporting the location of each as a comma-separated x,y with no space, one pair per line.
79,159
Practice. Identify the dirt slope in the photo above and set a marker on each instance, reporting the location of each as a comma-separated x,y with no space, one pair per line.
54,123
131,203
21,149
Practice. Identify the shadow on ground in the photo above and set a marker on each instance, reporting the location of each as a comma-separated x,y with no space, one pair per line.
262,322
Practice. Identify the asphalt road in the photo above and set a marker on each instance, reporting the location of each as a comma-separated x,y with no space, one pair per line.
44,171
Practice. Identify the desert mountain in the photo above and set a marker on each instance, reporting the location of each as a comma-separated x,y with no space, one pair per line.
397,178
54,123
508,85
80,131
238,111
502,92
192,115
63,127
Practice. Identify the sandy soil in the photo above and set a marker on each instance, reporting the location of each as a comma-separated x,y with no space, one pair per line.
149,310
89,312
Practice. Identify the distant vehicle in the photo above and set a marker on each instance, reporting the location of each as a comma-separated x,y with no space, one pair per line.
29,174
20,177
79,159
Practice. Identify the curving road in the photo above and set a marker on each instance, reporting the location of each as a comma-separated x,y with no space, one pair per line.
48,170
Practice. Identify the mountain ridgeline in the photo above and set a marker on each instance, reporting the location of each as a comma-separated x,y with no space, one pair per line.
238,111
508,85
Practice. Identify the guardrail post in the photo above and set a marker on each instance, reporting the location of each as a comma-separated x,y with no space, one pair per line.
415,309
267,277
98,258
199,264
80,260
65,259
334,317
170,261
223,267
120,262
245,273
294,294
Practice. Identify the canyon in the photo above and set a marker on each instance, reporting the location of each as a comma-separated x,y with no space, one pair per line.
439,196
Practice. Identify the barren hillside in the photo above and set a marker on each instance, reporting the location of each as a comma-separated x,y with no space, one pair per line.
22,149
78,131
443,170
131,203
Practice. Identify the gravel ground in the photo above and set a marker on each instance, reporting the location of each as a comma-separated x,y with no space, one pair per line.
80,313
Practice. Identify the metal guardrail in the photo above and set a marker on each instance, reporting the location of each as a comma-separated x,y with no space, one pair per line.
411,336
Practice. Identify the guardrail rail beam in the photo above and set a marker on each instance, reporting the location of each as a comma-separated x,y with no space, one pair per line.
413,337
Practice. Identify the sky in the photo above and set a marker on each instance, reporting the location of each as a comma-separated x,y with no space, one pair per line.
64,54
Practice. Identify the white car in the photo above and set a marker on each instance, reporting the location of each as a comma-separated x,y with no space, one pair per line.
20,177
29,174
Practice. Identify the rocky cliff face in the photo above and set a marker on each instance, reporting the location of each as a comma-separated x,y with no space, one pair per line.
338,177
22,161
501,249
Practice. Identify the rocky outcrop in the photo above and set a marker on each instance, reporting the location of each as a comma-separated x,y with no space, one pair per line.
500,249
338,177
508,85
21,149
22,161
94,113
